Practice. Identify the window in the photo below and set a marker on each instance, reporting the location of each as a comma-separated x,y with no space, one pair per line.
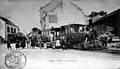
8,29
14,30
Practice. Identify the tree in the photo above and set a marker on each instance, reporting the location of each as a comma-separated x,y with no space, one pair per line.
102,13
93,13
35,29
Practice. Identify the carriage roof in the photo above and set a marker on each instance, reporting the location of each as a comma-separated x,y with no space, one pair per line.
71,25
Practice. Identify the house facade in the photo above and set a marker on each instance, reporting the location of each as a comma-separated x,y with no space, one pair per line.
58,13
7,27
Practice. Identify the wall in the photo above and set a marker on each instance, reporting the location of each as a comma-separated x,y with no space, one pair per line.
2,28
67,14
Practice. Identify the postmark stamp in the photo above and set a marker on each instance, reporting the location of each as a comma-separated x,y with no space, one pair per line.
15,60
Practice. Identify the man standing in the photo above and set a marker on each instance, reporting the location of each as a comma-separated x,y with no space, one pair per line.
17,44
52,40
8,44
91,37
63,42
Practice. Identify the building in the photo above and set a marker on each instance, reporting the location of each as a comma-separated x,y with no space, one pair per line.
7,27
109,23
58,13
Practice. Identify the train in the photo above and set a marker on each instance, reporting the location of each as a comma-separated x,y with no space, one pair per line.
75,35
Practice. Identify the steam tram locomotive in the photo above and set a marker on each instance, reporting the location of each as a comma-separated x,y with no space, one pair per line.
75,34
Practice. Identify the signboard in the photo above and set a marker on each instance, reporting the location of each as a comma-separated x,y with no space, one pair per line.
53,18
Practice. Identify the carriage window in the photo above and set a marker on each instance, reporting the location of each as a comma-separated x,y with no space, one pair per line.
80,29
76,29
83,29
58,33
65,31
72,30
87,29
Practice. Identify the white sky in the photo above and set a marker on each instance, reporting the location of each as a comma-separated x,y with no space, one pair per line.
25,13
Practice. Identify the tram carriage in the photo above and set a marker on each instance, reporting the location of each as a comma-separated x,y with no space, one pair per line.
75,35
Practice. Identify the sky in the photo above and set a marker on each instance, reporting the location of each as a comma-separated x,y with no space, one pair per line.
25,13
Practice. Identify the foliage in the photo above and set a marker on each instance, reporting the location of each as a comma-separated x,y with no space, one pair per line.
35,29
93,13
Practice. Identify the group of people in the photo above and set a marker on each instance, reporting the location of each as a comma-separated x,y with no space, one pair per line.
38,40
57,42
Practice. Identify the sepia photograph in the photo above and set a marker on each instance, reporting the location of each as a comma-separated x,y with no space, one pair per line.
59,34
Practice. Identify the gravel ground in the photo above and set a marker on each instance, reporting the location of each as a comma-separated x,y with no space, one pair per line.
65,59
